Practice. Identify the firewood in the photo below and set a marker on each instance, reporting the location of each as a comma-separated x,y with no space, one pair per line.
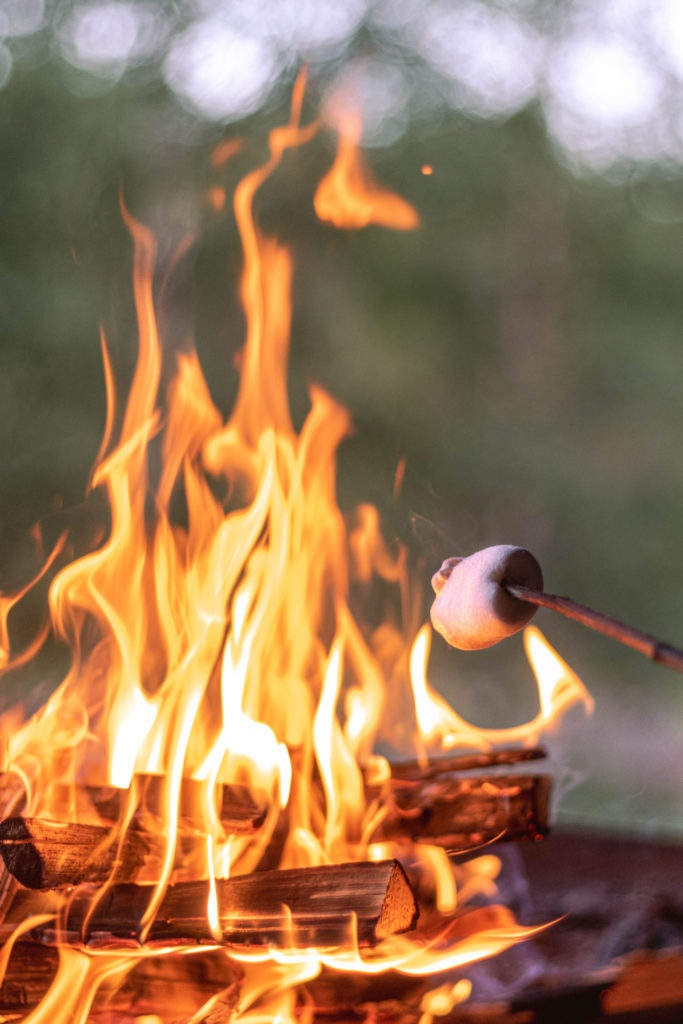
44,854
461,813
172,984
454,812
30,971
411,771
238,813
320,905
12,800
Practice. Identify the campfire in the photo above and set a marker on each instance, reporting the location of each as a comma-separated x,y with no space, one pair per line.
197,823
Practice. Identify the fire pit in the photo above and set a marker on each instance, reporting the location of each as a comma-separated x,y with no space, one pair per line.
196,824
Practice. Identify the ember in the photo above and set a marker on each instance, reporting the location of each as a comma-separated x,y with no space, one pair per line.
220,713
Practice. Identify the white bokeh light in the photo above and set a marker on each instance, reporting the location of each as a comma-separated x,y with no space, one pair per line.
105,38
606,82
668,31
21,17
609,75
603,101
300,26
319,24
381,92
219,72
492,57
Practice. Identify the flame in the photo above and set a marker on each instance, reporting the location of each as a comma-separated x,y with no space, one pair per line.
440,1001
7,603
348,196
558,689
216,197
223,651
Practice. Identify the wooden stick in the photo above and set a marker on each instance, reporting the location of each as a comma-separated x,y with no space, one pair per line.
459,814
648,645
301,907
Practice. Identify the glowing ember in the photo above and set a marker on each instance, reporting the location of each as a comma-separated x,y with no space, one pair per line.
219,654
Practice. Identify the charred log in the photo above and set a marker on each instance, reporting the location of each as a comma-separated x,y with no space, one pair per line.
236,808
461,813
302,907
174,984
238,813
454,812
411,771
45,854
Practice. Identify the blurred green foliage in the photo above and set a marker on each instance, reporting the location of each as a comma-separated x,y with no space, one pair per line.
522,349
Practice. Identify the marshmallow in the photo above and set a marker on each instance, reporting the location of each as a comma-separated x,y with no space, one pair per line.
472,609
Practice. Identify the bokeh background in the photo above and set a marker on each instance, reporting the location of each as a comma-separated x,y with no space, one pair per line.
523,350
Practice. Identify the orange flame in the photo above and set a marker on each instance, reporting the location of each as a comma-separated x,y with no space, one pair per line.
558,688
349,197
221,651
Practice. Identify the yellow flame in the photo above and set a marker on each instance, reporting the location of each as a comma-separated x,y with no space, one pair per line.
440,1001
559,688
221,651
348,196
446,892
212,904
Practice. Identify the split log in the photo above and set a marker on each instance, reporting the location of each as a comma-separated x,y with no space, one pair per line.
411,771
30,972
300,907
455,813
238,813
461,813
172,984
44,854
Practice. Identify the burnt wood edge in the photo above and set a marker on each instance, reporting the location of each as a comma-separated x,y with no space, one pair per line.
458,814
237,810
411,771
170,984
314,906
632,993
462,814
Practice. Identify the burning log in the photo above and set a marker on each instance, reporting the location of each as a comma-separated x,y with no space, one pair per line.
238,812
420,803
45,854
175,985
411,771
304,906
461,813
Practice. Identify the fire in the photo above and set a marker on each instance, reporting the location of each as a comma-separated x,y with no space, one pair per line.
558,689
221,652
348,196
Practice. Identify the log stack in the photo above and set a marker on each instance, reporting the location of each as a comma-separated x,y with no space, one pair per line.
442,804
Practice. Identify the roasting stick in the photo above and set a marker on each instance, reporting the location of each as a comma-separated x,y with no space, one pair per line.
493,593
648,645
